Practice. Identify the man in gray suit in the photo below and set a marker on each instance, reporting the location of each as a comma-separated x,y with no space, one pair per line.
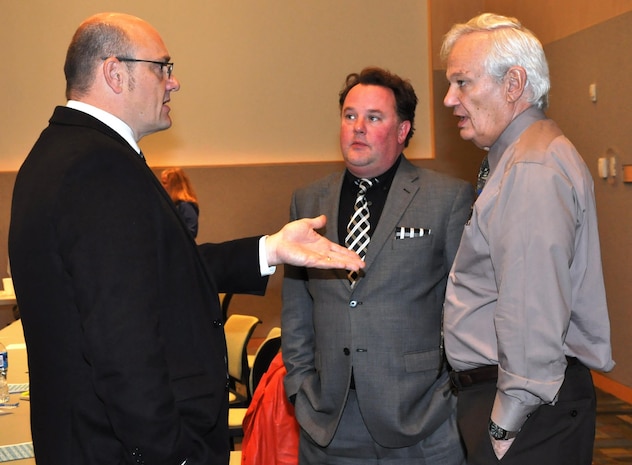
364,355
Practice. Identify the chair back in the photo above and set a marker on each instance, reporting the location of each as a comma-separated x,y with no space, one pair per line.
224,300
238,330
266,352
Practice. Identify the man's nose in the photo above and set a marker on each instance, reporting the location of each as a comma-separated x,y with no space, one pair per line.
174,84
359,126
450,99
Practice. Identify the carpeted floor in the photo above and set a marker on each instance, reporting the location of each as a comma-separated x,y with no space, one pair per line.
613,438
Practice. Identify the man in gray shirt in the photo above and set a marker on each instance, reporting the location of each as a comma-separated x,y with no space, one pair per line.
525,312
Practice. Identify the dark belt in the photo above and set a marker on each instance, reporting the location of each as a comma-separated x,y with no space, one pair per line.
484,374
467,378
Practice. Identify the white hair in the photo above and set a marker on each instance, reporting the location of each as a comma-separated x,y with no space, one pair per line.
511,45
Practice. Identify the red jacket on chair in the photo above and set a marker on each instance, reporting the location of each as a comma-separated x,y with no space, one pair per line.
270,429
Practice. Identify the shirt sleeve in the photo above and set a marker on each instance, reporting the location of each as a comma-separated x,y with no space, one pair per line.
532,236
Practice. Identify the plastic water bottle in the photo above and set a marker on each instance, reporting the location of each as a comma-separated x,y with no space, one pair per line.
4,368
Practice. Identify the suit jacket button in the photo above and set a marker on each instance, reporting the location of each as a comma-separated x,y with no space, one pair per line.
346,351
217,323
354,303
138,457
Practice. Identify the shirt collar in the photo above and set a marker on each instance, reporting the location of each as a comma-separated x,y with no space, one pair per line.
108,119
512,132
384,180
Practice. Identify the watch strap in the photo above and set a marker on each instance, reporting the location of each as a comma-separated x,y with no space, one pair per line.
500,433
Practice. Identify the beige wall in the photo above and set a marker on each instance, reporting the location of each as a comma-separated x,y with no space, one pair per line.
549,20
554,20
259,80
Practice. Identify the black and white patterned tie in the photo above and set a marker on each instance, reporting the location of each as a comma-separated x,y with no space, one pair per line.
483,173
358,238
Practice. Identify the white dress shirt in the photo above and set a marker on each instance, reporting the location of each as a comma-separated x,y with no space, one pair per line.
108,119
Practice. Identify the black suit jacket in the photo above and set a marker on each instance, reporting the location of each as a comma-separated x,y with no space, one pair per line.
119,305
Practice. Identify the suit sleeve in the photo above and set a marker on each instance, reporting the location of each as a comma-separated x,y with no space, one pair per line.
234,266
296,321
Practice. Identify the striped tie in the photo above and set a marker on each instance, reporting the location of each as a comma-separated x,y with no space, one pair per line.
483,173
358,228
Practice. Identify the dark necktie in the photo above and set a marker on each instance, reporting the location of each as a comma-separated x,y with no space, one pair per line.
358,238
483,173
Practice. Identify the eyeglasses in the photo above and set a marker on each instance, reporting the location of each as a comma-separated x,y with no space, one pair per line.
162,64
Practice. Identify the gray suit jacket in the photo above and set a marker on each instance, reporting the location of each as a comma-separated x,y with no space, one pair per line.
388,328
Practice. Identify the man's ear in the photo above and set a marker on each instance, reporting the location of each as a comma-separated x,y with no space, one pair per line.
115,74
516,82
402,131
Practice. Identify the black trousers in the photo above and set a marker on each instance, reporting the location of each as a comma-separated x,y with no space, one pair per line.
560,434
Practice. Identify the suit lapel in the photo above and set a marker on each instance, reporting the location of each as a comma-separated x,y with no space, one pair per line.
330,202
403,189
401,193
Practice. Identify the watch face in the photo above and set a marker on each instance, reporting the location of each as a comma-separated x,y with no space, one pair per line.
496,431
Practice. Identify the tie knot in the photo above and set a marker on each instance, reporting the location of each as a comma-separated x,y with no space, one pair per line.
364,185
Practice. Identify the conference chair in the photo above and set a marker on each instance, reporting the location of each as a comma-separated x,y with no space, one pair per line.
224,300
238,330
266,352
235,457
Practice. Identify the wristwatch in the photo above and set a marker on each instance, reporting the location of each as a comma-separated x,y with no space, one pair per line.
499,433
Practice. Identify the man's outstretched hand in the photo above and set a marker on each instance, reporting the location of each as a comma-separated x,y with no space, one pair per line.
298,244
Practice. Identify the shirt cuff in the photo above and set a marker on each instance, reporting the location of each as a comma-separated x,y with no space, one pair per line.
510,414
264,268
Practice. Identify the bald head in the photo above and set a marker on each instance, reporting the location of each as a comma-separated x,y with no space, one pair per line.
120,64
98,37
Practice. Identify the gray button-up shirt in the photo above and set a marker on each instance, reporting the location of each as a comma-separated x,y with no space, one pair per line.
526,288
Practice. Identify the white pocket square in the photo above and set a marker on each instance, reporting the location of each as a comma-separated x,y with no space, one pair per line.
403,232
